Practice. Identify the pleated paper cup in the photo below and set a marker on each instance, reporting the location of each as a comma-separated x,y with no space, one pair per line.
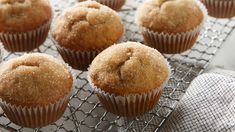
25,41
114,4
172,43
77,59
37,116
34,117
220,8
131,105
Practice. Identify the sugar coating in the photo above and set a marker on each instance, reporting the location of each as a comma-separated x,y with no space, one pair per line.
171,16
128,68
34,80
87,26
23,15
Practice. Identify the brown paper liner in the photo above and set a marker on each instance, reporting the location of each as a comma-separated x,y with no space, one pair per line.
35,117
220,8
114,4
132,105
25,41
77,59
170,43
129,105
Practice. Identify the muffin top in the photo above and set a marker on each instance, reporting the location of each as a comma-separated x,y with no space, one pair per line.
87,26
34,80
128,68
171,16
23,15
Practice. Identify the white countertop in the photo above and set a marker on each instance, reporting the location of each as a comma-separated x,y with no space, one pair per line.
225,57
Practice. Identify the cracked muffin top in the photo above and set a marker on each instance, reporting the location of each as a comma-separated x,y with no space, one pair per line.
88,26
23,15
171,16
34,80
128,68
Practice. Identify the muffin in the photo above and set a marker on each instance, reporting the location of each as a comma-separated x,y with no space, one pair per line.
34,89
24,24
84,30
171,26
220,8
128,78
114,4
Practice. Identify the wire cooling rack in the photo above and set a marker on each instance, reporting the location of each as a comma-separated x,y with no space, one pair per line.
85,113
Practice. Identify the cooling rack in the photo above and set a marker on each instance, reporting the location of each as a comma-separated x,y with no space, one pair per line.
85,113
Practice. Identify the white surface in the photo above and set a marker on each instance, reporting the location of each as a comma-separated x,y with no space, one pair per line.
225,57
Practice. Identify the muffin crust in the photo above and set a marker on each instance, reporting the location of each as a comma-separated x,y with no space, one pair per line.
34,80
23,15
171,16
88,26
128,68
114,4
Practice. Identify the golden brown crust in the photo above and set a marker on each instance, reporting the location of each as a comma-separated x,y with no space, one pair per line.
23,15
34,80
171,16
88,26
114,4
128,68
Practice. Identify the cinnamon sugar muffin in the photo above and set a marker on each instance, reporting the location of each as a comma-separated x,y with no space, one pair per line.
171,26
84,30
24,24
113,4
220,8
131,74
34,83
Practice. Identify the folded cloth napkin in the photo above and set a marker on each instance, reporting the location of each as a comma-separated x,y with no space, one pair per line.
208,105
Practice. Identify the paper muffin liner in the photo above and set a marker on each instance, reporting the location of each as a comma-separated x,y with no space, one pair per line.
172,43
220,8
130,105
114,4
37,116
25,41
78,59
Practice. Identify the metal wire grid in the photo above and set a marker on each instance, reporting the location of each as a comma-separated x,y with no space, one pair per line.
85,113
